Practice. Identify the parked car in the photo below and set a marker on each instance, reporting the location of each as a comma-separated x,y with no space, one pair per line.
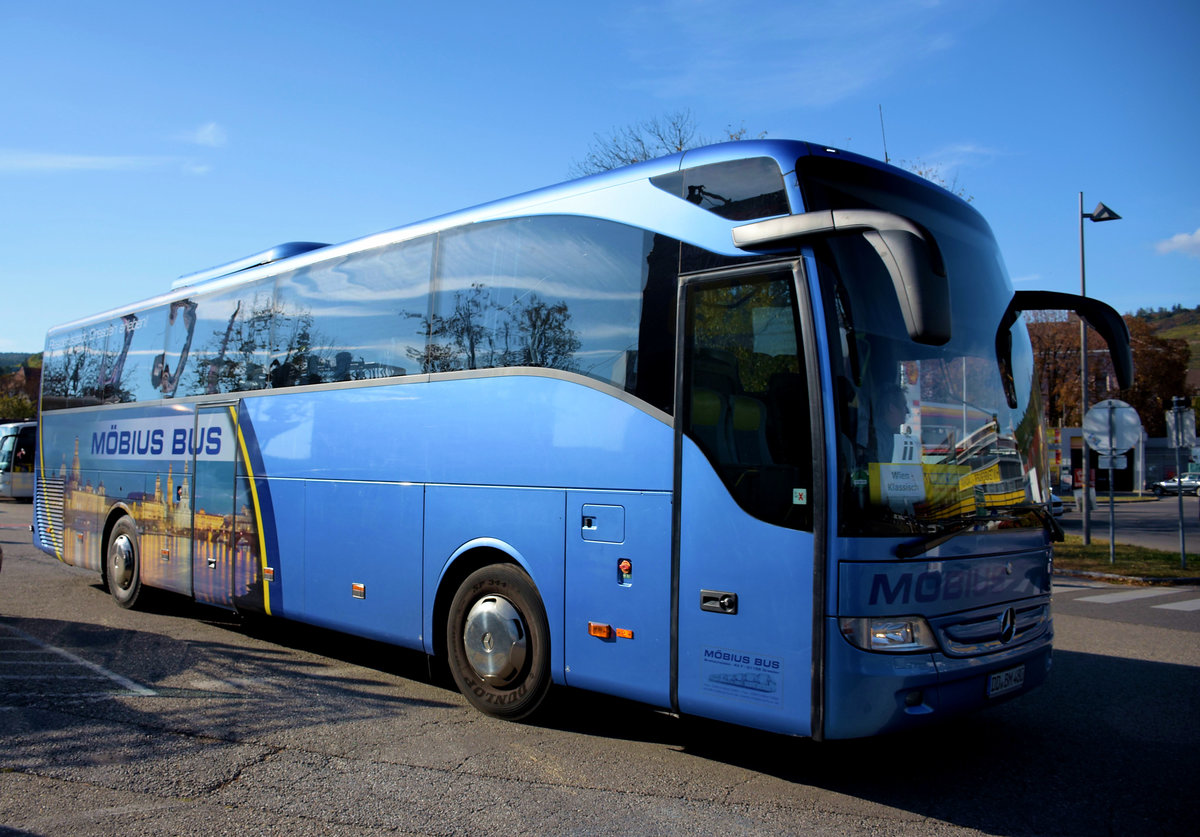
1188,485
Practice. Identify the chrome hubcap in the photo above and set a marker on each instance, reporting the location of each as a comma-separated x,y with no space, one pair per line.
121,561
494,639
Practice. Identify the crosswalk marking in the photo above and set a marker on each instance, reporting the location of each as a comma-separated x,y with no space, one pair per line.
1125,596
1064,590
1189,605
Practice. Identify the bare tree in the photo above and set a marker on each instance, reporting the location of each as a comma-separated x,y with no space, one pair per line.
657,136
480,334
933,173
673,132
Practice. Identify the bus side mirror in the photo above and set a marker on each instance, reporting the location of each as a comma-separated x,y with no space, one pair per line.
907,250
1099,315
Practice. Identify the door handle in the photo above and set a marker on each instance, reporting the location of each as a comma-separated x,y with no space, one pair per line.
719,601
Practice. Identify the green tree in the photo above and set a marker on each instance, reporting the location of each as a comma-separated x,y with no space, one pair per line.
16,407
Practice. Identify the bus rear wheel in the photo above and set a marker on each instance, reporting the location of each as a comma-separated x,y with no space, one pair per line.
123,564
498,642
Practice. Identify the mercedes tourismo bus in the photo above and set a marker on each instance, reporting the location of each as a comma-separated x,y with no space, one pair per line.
655,433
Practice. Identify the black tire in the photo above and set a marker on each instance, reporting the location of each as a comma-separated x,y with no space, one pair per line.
123,564
498,642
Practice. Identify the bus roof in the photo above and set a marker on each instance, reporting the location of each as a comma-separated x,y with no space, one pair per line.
624,195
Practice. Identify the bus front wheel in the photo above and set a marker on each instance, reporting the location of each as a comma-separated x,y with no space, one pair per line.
123,564
498,642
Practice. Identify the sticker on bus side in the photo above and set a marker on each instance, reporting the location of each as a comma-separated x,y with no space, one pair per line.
743,675
153,438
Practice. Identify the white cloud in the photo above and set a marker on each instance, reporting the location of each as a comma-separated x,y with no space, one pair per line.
1186,243
210,134
12,160
944,165
962,154
826,54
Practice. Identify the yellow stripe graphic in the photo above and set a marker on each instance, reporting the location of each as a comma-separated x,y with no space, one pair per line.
262,544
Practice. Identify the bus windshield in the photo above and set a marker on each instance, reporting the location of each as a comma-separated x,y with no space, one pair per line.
927,441
7,445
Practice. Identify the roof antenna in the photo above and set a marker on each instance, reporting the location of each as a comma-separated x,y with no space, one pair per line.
886,159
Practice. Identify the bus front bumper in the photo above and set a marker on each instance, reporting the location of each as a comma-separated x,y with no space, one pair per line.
869,693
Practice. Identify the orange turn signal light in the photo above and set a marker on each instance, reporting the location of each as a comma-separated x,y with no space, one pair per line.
600,629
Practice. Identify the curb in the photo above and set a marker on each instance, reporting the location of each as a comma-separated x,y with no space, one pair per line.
1127,579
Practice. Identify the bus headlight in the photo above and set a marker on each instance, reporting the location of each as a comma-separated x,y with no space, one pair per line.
890,634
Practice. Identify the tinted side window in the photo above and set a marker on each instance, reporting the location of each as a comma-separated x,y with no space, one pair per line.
71,367
570,293
555,292
740,190
230,348
346,320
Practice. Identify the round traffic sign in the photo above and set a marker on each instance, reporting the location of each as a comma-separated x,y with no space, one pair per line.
1112,427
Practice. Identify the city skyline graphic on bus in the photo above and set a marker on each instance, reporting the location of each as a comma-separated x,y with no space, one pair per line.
179,478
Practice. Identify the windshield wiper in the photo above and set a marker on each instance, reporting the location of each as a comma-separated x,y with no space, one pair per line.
915,548
1044,515
920,547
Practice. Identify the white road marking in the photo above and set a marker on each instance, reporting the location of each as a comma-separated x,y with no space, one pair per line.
1188,605
1125,596
97,671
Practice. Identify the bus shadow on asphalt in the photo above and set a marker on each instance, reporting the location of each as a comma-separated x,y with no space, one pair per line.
1101,748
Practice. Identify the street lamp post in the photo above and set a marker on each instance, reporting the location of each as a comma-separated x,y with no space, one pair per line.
1178,405
1100,213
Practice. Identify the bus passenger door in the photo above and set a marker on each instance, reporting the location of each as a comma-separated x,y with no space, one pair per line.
215,541
745,478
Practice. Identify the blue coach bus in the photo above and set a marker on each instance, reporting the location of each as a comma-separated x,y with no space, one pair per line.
18,444
654,433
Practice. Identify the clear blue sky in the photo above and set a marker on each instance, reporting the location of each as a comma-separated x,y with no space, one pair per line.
143,140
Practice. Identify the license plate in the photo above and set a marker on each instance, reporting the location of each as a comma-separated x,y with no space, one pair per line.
1006,681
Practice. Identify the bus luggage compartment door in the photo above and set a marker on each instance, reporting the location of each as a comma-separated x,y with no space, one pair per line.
618,581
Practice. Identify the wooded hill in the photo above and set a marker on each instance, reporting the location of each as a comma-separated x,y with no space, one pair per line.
1178,323
12,361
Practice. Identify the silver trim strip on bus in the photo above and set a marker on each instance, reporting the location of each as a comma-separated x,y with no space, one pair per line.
909,252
